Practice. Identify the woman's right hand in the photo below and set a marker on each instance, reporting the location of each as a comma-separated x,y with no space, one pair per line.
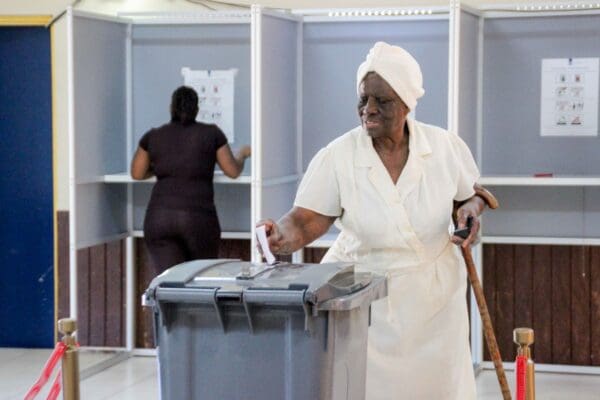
297,228
232,166
274,236
245,151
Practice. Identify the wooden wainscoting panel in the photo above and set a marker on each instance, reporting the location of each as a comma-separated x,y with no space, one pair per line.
235,248
284,257
561,304
314,254
542,306
115,299
595,305
523,316
97,295
505,286
83,297
489,288
580,306
144,275
101,288
62,221
553,289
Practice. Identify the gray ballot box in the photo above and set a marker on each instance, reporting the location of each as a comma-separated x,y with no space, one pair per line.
232,330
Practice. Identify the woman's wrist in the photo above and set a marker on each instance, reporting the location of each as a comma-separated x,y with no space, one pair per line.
478,202
488,198
288,235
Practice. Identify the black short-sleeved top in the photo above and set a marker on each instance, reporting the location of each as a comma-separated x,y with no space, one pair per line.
183,159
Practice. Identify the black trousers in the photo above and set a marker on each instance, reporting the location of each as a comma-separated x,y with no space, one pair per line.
176,236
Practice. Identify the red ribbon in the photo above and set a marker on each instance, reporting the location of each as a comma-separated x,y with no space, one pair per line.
56,386
521,375
56,355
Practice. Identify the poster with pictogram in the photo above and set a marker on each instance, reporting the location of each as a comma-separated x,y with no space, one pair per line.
216,89
569,98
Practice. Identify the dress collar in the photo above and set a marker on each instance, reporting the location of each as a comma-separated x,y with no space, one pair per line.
418,145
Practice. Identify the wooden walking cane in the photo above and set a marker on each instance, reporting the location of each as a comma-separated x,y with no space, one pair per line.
488,329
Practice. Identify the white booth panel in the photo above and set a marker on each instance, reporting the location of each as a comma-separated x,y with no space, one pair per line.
101,213
233,207
332,52
468,80
159,53
278,96
99,86
513,53
591,218
277,200
537,211
141,197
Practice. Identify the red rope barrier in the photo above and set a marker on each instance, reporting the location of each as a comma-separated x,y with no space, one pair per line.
521,375
56,386
56,355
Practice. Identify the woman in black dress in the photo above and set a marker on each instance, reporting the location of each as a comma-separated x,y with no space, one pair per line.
181,221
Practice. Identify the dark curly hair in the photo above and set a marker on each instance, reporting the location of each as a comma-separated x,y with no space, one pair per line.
184,105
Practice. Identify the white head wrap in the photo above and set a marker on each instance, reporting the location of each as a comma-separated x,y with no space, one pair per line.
398,68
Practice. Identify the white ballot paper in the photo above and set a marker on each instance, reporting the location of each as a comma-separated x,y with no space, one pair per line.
261,234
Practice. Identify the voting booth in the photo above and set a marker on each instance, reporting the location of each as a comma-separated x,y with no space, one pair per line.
123,87
528,108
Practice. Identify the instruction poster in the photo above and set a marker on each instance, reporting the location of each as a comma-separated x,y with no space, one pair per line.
569,97
215,90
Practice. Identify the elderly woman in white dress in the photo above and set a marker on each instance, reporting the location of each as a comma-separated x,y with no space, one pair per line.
391,186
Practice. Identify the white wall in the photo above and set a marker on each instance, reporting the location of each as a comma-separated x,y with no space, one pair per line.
33,7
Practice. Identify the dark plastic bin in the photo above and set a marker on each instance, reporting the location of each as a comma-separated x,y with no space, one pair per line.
229,330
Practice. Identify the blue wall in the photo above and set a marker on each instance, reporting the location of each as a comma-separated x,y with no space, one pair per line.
26,230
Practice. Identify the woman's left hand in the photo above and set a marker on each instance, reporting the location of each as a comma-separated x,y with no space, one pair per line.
471,209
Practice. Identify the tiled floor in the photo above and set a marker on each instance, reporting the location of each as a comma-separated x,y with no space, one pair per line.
20,368
135,378
549,386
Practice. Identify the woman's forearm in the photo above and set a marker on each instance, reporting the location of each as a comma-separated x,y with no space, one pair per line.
240,160
293,237
300,227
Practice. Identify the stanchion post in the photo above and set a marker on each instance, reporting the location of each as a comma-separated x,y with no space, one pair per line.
70,360
524,337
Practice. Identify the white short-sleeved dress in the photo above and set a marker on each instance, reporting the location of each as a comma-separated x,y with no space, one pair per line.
418,340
